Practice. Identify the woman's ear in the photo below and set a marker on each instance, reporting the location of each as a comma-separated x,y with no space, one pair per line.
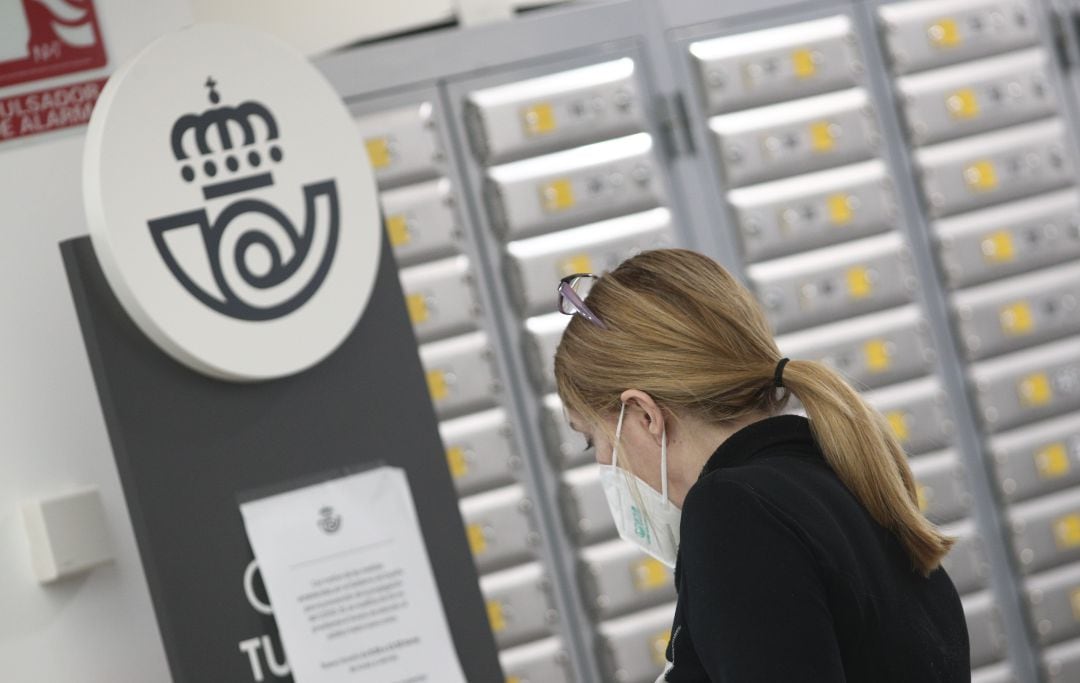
651,412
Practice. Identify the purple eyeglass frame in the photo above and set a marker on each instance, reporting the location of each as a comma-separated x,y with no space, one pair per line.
567,293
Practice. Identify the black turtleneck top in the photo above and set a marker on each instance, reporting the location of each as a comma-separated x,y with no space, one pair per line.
784,577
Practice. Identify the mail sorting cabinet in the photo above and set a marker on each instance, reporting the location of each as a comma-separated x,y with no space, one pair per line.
617,578
1025,386
871,350
534,266
563,149
565,447
441,297
1009,239
572,187
1037,459
1017,312
1062,662
402,144
918,413
541,339
1046,531
986,169
554,112
421,221
437,278
481,451
784,139
985,634
632,648
1053,600
584,507
542,661
461,374
933,33
966,562
996,673
942,486
500,527
976,97
419,209
520,604
784,217
774,64
834,283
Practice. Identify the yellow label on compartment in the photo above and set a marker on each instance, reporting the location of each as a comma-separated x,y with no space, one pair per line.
1074,600
539,119
378,151
1016,319
981,176
649,574
920,493
802,61
558,195
397,229
513,679
859,282
898,421
436,384
659,644
840,211
997,247
495,616
878,358
821,136
1035,390
581,263
963,104
1067,531
455,458
418,308
477,539
1052,461
944,33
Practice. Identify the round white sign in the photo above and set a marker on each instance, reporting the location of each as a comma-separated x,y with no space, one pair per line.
231,203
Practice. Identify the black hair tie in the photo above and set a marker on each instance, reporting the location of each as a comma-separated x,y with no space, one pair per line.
778,378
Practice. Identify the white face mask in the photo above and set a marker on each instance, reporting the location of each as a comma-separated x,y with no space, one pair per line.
643,516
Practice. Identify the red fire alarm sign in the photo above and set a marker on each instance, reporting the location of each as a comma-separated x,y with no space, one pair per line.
46,38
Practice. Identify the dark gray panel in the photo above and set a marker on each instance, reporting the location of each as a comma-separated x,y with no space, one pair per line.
186,445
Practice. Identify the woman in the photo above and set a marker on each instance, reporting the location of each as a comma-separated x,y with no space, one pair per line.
799,550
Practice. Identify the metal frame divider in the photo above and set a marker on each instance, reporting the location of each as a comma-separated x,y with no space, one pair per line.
579,634
450,63
988,514
714,224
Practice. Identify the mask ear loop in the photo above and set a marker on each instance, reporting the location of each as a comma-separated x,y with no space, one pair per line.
625,473
618,432
663,466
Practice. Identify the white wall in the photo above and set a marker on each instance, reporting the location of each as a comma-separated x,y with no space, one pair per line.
99,628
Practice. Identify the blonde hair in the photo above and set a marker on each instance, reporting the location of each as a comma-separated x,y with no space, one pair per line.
683,330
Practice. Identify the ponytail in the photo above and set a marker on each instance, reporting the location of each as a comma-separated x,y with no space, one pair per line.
861,448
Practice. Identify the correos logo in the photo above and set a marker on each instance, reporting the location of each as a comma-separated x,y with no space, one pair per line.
231,204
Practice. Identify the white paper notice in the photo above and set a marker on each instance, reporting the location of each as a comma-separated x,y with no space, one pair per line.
350,583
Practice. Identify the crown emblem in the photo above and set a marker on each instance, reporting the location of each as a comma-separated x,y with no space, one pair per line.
328,521
229,147
255,263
